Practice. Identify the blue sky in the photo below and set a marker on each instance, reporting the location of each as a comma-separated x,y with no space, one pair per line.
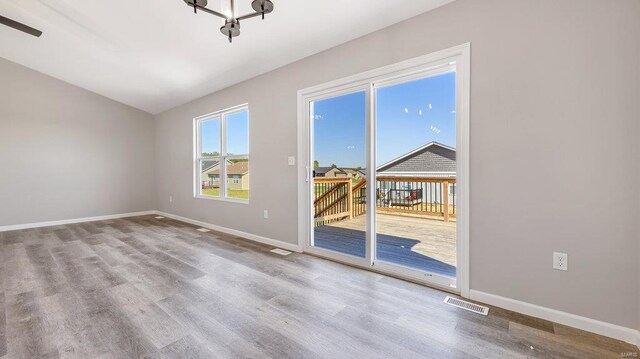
237,134
409,115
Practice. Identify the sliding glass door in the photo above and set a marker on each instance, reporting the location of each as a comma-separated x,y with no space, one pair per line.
415,228
385,188
338,175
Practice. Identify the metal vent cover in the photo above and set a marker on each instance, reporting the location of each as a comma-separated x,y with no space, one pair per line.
281,252
472,307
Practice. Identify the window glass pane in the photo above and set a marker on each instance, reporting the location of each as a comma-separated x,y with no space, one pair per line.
210,132
339,168
237,128
416,166
238,178
210,177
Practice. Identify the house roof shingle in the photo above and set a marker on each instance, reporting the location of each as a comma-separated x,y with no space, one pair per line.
431,159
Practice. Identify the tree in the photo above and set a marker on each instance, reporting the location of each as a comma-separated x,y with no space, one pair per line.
334,166
316,164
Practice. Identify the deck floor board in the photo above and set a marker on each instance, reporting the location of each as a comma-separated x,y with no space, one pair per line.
420,243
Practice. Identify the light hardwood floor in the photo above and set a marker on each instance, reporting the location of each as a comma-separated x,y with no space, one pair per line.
146,287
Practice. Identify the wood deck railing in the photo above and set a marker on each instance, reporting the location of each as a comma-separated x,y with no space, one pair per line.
336,199
332,199
417,196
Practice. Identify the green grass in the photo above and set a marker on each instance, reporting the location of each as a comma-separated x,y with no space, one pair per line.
231,193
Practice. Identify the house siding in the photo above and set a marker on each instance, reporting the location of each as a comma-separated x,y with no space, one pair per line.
245,182
211,177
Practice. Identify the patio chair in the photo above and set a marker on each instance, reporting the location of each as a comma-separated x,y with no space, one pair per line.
405,197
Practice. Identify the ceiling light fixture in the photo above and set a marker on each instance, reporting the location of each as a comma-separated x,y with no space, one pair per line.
231,26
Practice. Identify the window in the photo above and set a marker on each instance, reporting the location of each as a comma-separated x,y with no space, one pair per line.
222,142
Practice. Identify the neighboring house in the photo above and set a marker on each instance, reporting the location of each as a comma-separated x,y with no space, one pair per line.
431,160
354,173
329,172
334,172
237,175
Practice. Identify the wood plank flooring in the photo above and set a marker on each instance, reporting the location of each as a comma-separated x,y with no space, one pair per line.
157,288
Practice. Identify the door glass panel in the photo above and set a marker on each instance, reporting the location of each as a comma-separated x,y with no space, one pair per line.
416,174
339,160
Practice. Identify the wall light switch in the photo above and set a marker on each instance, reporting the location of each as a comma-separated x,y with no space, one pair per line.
265,215
292,160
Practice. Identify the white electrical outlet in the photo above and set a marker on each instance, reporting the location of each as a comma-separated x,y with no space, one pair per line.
560,261
266,214
170,199
291,160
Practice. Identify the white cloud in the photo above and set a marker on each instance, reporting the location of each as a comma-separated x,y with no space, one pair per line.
435,130
406,110
318,117
430,107
454,111
420,112
351,147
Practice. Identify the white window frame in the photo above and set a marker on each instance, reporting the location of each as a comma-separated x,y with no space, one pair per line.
222,158
420,67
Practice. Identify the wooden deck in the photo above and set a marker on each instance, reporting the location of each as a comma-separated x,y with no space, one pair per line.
419,243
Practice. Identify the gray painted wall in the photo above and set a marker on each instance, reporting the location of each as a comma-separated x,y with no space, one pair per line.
68,153
554,114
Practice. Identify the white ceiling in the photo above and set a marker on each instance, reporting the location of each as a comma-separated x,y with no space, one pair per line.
156,54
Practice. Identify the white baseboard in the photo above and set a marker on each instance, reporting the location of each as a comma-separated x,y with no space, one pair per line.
233,232
253,237
587,324
74,220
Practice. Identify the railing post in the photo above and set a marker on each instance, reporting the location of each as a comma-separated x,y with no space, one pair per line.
445,200
350,198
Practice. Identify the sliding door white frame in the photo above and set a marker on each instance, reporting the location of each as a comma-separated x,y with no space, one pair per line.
308,180
456,58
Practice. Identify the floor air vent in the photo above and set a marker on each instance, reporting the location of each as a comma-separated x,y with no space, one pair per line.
281,252
467,305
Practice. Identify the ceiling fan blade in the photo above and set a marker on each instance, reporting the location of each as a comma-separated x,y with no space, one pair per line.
19,26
